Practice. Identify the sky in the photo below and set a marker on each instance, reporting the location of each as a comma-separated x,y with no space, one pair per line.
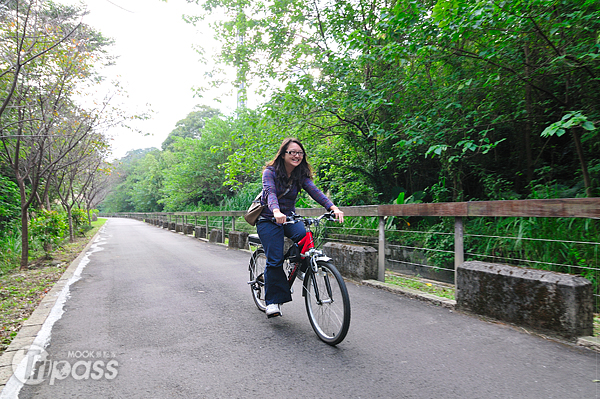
156,64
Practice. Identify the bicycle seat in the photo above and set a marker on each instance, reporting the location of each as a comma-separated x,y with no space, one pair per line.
254,240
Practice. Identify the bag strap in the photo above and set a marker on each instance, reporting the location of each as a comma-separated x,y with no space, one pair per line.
259,196
286,191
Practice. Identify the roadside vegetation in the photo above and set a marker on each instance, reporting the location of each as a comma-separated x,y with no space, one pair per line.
416,283
21,291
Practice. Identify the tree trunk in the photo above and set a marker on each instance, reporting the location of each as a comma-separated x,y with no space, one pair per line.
24,226
47,199
529,122
24,240
584,170
70,218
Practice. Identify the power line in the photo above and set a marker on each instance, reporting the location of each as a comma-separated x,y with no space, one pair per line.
33,136
116,5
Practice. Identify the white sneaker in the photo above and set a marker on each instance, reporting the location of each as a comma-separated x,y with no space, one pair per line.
273,310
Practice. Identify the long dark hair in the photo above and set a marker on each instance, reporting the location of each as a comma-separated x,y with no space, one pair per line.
299,173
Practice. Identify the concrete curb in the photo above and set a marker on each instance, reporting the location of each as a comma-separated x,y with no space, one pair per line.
590,342
32,326
444,302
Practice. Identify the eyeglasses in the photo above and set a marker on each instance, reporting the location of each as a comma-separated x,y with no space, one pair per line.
294,153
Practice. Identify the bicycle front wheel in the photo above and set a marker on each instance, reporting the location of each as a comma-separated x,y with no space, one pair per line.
258,262
327,303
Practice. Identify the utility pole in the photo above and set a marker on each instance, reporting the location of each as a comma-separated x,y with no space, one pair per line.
241,94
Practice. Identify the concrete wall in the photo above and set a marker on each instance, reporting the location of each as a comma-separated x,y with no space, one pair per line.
545,301
238,240
200,231
401,259
216,235
356,261
188,229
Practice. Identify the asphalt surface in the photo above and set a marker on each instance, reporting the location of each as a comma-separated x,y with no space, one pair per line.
161,315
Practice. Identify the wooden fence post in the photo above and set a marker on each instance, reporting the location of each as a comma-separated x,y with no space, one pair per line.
381,254
459,244
223,227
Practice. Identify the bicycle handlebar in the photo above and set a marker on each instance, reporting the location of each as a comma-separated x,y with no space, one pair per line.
294,218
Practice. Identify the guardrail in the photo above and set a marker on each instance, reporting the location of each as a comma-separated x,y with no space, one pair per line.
543,208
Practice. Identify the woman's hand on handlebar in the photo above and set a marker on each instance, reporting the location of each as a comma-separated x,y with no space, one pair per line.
279,217
339,215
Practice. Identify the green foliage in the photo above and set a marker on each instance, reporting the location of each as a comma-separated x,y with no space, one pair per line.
80,221
419,95
79,217
49,229
416,284
570,120
191,126
136,181
191,172
521,241
10,249
10,203
242,199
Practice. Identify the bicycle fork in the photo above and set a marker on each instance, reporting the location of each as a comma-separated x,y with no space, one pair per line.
315,271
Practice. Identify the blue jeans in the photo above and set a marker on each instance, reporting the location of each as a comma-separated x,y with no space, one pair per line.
277,288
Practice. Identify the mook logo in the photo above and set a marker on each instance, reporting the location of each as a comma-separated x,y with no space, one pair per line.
31,366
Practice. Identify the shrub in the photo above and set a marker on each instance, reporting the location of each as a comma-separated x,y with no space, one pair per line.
80,221
10,208
10,249
49,229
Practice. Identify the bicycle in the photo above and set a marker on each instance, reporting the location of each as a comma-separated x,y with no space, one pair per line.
323,288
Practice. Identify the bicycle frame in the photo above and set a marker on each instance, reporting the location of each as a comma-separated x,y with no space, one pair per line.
306,243
308,257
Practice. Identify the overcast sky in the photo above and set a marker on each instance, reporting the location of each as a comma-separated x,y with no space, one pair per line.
157,65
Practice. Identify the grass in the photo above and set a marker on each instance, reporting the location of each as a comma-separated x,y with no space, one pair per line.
415,283
21,291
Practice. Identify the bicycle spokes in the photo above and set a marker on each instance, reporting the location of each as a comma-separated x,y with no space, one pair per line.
257,278
327,303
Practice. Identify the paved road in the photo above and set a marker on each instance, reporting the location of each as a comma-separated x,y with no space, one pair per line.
174,318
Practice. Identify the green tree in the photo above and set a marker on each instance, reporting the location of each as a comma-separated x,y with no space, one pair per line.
191,126
122,177
49,56
146,183
192,171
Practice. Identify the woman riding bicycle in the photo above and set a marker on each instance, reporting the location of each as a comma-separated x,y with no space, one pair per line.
282,180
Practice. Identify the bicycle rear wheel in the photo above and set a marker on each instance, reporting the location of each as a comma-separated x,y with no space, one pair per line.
258,262
327,303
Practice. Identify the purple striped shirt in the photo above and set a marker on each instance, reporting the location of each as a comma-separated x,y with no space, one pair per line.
287,203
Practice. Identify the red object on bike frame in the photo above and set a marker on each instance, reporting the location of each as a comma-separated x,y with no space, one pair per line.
306,242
